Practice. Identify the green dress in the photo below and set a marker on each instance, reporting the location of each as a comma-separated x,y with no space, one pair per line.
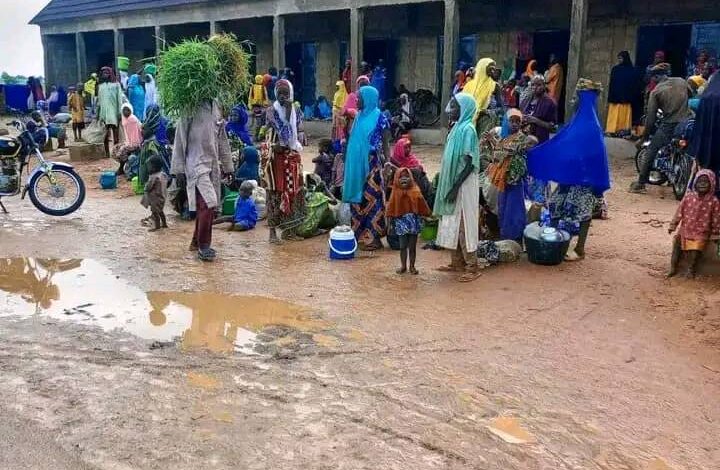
109,100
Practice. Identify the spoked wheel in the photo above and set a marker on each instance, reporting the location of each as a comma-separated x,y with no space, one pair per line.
59,192
655,177
427,108
682,168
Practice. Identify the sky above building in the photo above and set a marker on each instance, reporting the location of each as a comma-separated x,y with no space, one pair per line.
21,51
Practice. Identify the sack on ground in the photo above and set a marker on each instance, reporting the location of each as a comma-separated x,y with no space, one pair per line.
95,133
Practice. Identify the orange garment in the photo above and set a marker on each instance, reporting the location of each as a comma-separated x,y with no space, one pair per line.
406,201
497,171
555,82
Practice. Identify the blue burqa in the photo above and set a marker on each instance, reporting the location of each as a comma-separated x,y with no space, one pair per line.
577,154
250,167
136,96
357,163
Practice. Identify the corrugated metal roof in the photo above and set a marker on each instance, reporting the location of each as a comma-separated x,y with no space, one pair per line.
58,10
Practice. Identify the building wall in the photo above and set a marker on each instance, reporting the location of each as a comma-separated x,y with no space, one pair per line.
61,65
326,68
605,39
416,66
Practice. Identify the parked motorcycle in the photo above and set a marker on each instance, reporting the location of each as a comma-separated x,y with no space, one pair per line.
672,164
54,187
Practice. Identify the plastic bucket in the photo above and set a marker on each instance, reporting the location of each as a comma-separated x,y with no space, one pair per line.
546,253
342,244
229,201
137,186
108,180
123,63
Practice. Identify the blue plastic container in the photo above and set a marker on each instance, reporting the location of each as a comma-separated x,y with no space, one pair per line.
342,243
108,180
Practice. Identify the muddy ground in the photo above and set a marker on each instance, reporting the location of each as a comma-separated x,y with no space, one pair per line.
124,352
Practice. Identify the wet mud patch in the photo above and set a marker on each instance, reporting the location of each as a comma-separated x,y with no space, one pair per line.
86,292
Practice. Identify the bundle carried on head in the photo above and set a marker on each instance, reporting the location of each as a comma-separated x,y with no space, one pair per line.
194,72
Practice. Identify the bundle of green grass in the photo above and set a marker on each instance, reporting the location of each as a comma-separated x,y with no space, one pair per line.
194,72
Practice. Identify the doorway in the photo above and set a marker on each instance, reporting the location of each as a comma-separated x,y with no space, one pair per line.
673,39
301,58
555,42
385,49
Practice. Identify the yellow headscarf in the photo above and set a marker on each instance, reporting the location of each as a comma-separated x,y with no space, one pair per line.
482,86
340,95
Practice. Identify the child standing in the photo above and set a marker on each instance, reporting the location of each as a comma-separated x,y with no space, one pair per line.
405,208
699,213
156,192
324,162
76,103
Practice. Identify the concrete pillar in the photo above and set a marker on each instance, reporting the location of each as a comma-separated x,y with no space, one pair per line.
159,39
451,40
81,57
48,73
214,28
578,30
279,41
119,39
357,37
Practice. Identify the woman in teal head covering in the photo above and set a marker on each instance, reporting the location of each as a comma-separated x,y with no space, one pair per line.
457,197
363,185
136,96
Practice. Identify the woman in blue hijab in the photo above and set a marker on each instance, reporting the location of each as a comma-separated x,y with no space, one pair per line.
237,125
136,96
363,185
249,169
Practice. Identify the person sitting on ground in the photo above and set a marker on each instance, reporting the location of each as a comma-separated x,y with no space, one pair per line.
155,193
133,138
249,169
76,104
699,213
403,121
246,216
324,162
405,209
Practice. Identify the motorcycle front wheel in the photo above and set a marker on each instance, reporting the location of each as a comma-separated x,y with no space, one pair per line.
62,197
682,168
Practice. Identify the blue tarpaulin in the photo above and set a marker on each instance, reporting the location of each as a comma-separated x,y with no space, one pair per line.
16,96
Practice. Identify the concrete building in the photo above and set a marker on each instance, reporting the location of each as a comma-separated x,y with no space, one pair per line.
420,41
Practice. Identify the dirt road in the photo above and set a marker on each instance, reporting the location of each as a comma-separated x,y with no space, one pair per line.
140,357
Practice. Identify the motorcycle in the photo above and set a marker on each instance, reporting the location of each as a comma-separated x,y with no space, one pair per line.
672,164
54,187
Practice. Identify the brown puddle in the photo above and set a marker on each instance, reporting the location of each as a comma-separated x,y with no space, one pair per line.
509,430
86,292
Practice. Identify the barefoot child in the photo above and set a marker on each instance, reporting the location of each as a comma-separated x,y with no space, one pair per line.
699,213
405,208
76,104
156,192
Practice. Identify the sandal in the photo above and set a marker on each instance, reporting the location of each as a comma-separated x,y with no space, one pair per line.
573,256
451,269
469,276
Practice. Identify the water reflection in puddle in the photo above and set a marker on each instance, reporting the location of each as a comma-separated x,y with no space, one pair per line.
86,292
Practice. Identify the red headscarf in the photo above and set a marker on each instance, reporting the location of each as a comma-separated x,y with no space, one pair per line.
111,72
406,201
403,156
